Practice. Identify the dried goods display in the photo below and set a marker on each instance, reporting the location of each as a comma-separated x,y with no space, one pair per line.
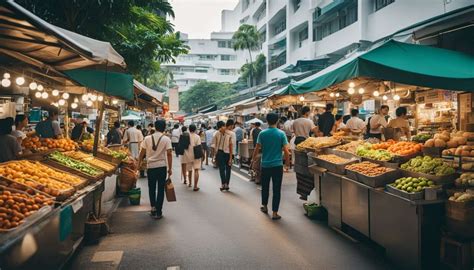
462,196
87,158
16,206
34,178
412,184
333,158
428,165
317,143
465,180
36,144
379,154
350,147
75,164
368,168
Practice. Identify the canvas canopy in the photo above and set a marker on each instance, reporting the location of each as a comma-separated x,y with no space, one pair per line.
399,62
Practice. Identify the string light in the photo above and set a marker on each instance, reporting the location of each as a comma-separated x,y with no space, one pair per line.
396,97
20,81
55,92
351,91
115,102
76,100
352,85
38,94
384,97
6,82
361,91
61,102
89,103
55,104
6,75
65,95
337,94
40,87
100,98
85,97
74,105
44,95
376,93
33,86
301,98
331,95
93,97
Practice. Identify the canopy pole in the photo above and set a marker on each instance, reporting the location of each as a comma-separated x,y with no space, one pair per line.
98,123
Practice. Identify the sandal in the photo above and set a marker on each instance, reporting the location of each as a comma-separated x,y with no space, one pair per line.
196,189
276,217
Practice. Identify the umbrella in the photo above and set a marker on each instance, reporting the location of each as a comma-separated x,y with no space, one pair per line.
253,121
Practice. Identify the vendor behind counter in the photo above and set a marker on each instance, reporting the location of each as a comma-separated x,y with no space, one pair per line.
9,145
49,128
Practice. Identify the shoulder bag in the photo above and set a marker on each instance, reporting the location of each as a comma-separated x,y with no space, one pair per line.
198,152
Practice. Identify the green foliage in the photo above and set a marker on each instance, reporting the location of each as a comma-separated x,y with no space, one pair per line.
258,70
247,37
205,93
137,29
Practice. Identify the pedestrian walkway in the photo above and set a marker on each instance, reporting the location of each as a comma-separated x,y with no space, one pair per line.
214,230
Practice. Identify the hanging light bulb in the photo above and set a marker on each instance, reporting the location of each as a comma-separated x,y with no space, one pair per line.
337,94
351,91
76,100
66,95
55,92
61,102
376,93
6,82
100,98
44,95
331,95
74,105
6,75
85,97
93,97
115,102
384,97
301,98
55,104
352,85
38,94
396,97
361,90
33,86
89,103
40,87
20,81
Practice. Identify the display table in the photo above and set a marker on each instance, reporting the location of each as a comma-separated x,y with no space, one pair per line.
408,230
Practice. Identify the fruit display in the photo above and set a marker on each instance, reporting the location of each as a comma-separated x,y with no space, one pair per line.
379,154
428,165
317,143
87,158
451,141
75,164
21,172
15,207
465,180
34,167
37,145
464,151
121,153
350,147
421,138
383,145
405,148
412,184
333,158
462,196
368,168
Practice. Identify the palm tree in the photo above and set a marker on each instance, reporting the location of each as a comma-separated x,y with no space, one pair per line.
247,37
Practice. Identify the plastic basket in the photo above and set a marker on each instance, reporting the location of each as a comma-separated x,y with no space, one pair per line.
314,211
134,196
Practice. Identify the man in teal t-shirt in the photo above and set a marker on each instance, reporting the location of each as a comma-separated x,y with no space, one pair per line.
271,142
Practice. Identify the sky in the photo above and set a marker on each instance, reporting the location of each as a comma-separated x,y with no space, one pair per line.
198,18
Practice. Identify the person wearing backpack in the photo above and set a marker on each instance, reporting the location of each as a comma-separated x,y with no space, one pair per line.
159,163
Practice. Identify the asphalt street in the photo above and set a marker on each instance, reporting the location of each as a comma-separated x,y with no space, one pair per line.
210,229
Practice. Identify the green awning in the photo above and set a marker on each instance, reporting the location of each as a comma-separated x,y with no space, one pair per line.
399,62
108,82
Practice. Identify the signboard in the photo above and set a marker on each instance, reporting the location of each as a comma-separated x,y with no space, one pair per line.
173,94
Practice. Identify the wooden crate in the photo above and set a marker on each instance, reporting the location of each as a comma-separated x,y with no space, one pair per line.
460,228
456,254
453,211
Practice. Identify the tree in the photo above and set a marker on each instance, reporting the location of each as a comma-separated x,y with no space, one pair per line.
205,93
137,29
247,37
258,68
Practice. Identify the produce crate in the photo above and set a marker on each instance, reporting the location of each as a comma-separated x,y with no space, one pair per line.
410,196
378,181
433,151
440,180
339,168
460,228
460,211
83,184
60,166
18,186
90,160
388,164
352,175
456,253
402,159
341,153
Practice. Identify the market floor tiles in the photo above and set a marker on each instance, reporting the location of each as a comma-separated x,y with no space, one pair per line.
210,229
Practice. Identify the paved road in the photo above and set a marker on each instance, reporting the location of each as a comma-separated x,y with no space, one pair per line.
213,230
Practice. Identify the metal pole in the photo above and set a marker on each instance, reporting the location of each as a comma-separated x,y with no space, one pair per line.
98,123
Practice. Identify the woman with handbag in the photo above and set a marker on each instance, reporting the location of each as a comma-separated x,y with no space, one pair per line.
192,156
183,144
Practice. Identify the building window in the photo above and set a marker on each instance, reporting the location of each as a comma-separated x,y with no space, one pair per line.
277,61
222,44
336,22
261,12
279,27
207,57
201,71
226,72
245,5
302,36
201,43
227,57
296,5
379,4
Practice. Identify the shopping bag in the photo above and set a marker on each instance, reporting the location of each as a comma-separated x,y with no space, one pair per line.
169,190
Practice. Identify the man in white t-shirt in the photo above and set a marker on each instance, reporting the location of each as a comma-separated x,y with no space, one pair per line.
133,137
159,163
303,126
378,122
175,133
355,124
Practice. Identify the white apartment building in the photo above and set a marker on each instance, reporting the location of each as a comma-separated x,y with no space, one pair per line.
295,30
209,59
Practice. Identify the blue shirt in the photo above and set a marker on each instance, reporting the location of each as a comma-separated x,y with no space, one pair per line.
272,141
